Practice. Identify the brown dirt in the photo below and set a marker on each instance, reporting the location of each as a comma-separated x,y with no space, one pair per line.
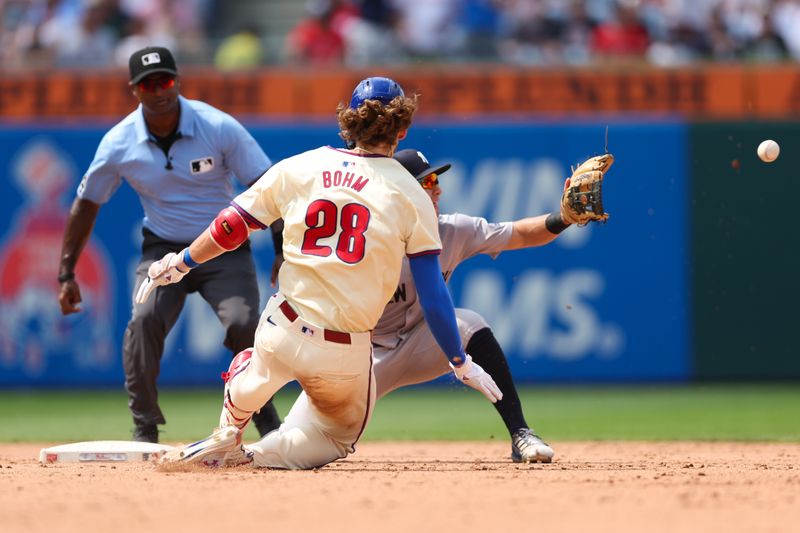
412,487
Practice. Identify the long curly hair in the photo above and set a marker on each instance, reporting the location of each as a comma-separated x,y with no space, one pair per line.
375,124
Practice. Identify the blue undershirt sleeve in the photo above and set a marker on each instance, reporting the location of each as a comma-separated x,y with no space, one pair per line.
437,306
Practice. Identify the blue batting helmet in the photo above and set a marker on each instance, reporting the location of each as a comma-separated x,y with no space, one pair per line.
383,90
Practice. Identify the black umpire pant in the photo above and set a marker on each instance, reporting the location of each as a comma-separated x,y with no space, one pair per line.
228,283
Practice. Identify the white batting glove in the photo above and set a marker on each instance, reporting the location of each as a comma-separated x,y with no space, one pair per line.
472,375
169,269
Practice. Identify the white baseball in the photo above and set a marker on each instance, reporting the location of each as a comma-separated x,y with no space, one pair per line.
768,151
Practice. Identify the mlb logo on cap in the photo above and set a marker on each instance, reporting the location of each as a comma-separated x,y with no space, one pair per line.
417,164
151,58
149,61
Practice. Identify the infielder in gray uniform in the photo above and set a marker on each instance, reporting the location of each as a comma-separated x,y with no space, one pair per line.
404,349
180,156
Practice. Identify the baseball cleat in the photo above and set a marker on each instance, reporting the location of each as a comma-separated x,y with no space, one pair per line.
528,447
229,459
224,445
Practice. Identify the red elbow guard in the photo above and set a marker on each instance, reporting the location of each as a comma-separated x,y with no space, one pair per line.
229,230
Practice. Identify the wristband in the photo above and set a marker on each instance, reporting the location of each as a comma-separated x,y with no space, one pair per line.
67,276
555,224
187,259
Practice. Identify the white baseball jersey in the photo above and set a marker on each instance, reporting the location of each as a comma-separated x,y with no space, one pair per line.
349,220
462,237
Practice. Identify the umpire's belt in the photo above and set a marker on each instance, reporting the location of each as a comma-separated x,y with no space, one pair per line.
330,335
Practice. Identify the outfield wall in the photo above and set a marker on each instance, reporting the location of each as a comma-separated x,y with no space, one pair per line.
692,278
746,261
716,91
604,303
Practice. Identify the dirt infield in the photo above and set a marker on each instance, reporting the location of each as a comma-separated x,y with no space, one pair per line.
413,487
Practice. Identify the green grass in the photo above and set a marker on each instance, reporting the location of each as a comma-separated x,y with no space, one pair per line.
712,412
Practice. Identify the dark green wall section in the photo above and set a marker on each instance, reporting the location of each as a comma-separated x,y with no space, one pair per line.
746,271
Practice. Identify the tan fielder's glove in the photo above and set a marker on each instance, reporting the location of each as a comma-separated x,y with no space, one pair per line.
582,201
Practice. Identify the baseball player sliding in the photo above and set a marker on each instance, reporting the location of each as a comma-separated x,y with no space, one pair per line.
350,217
404,348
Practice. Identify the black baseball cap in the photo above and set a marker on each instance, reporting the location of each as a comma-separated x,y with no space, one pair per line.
417,164
149,61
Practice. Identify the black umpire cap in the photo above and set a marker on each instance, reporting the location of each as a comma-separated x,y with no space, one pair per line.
417,164
149,61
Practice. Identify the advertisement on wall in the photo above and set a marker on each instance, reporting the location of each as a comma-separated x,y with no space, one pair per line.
602,303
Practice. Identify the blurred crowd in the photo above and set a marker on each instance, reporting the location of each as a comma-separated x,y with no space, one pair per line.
100,33
549,32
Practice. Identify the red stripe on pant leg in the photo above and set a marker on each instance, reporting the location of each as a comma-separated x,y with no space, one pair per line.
369,395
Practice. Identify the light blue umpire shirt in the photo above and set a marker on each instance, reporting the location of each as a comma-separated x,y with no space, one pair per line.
181,196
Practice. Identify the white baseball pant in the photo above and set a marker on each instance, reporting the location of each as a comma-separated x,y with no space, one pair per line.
416,359
336,376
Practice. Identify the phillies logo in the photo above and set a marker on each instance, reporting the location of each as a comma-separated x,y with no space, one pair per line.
34,337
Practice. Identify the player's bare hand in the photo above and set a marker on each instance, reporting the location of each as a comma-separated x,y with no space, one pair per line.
473,375
276,266
167,270
69,296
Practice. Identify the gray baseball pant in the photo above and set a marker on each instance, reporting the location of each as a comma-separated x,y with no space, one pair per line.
228,283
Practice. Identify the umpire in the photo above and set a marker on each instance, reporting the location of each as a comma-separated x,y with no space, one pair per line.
180,157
